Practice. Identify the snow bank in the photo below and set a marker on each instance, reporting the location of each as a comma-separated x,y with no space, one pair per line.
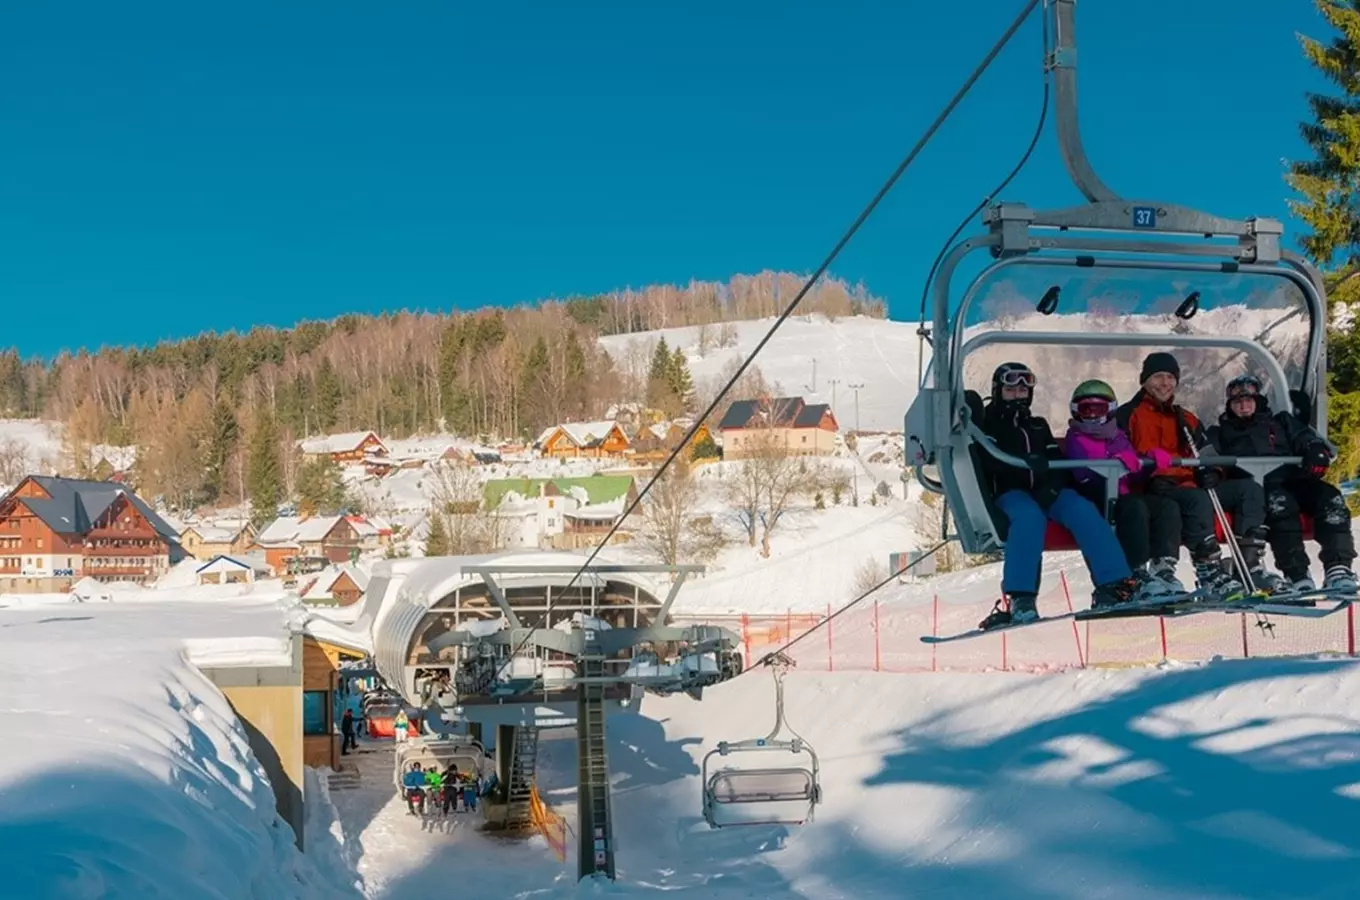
125,773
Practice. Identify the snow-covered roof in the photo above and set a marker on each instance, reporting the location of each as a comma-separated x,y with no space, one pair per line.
321,588
213,534
237,561
347,442
121,458
295,529
582,434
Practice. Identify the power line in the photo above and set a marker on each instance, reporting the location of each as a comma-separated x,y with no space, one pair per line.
868,210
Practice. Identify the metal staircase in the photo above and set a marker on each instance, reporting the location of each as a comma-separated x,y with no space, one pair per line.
523,763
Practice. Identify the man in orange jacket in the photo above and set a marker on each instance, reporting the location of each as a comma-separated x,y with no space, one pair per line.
1161,430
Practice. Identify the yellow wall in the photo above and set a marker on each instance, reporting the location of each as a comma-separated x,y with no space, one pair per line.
268,701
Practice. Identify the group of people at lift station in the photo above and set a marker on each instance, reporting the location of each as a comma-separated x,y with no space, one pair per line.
448,791
1161,506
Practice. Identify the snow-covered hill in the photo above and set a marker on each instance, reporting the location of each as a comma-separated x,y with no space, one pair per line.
809,356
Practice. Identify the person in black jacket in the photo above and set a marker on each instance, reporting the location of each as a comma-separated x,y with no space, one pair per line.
1248,428
1030,496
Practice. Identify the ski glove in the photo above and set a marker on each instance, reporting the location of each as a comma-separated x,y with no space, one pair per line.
1317,459
1207,478
1160,458
1130,460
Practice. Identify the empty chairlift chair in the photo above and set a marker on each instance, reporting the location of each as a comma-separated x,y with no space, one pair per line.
785,791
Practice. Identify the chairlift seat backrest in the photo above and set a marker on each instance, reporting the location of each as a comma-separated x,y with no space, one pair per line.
762,786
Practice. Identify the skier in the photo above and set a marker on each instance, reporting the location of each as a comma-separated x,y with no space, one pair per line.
1148,526
400,725
1248,428
434,781
1029,497
414,783
1160,429
347,733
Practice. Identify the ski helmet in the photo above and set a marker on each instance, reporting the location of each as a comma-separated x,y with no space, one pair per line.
1243,386
1092,400
1011,374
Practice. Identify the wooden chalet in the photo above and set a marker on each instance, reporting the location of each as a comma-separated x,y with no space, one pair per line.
57,531
350,448
320,537
654,443
801,429
577,439
206,541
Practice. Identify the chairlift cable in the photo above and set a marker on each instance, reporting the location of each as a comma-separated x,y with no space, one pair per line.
888,185
768,658
984,202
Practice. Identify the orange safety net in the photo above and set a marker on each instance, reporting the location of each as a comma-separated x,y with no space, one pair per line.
549,824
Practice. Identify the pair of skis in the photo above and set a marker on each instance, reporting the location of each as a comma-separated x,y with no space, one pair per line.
1315,604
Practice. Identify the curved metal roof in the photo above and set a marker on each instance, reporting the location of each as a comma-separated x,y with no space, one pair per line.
409,589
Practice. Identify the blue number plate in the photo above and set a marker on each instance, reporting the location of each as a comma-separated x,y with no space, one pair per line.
1144,217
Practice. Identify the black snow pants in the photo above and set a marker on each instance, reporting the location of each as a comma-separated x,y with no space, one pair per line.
1147,526
1196,516
1331,524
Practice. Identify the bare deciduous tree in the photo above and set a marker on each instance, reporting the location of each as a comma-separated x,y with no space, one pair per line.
767,481
458,494
14,462
668,530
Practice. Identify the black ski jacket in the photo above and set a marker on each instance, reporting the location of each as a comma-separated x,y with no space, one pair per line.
1017,432
1264,434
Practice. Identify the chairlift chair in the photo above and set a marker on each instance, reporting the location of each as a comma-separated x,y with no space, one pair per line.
468,754
768,795
1070,257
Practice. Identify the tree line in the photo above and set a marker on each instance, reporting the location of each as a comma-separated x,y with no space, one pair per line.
199,410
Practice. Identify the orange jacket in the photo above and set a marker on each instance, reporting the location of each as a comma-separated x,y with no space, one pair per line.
1150,424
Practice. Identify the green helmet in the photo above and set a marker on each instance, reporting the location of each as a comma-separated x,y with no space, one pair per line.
1093,388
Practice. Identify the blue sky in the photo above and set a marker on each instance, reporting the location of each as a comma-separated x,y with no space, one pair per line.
166,170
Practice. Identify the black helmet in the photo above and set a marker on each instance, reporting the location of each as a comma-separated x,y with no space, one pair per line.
1010,374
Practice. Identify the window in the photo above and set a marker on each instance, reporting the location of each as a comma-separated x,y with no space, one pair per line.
316,712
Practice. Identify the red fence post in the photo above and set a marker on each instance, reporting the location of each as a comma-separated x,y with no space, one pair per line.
1245,652
934,630
1076,635
1003,651
830,658
746,635
878,658
1161,626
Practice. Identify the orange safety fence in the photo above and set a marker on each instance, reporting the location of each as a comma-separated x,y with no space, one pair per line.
549,824
884,636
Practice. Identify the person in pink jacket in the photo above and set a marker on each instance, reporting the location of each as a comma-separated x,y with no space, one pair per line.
1148,526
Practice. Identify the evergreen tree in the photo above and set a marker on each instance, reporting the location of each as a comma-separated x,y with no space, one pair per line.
222,437
660,380
536,386
678,378
576,386
327,397
1330,208
264,476
437,541
320,489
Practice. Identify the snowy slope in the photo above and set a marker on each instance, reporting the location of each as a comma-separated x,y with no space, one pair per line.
879,354
124,772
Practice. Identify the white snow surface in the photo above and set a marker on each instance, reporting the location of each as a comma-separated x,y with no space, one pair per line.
124,772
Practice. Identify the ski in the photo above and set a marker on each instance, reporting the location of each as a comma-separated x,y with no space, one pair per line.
1294,604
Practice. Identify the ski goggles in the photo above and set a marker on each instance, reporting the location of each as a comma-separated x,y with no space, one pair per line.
1244,386
1016,377
1091,408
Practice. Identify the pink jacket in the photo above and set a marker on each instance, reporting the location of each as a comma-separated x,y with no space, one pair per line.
1087,446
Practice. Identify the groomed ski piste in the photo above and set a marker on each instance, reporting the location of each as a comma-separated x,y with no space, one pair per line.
124,774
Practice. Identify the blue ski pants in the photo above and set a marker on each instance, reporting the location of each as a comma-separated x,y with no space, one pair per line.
1025,540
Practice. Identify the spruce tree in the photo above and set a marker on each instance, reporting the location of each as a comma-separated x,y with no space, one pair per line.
222,437
678,377
1329,183
264,476
437,541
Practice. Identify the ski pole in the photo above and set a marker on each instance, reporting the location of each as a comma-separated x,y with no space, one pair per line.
1236,551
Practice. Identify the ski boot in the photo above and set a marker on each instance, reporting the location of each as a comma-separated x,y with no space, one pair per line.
1253,545
1214,582
1164,569
1020,609
1134,589
1340,580
1300,584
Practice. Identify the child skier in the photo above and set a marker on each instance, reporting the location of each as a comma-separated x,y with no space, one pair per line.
1247,428
1148,526
1161,430
1029,497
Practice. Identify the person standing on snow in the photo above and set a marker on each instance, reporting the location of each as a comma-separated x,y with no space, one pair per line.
1247,428
1161,430
1029,497
400,725
1148,526
347,733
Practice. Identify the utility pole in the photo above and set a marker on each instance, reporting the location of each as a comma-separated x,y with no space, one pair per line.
813,388
834,382
854,479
